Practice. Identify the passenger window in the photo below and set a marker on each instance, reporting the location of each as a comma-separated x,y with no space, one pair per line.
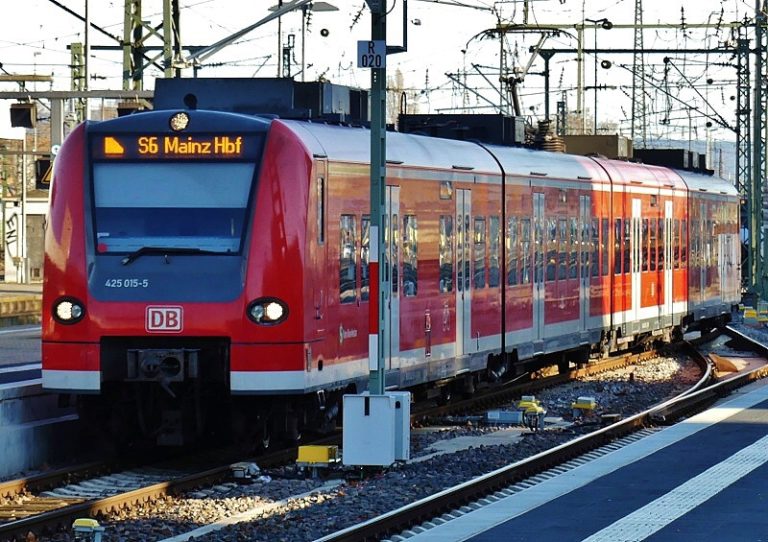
479,253
627,248
320,189
395,253
347,258
644,245
595,271
493,252
365,243
660,253
652,245
525,257
410,256
604,247
562,243
552,249
694,242
446,253
676,255
618,236
512,251
574,246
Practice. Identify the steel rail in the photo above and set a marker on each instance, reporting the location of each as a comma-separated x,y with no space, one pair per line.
61,518
703,396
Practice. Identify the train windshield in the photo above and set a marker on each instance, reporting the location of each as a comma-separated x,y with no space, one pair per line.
170,204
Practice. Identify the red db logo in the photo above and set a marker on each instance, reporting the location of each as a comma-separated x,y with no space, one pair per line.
164,319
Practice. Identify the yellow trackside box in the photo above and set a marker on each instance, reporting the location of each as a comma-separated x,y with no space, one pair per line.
526,402
585,403
318,454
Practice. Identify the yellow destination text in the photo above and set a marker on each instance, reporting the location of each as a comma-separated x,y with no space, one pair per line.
189,146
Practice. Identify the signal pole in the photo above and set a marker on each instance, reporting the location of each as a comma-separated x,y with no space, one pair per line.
378,333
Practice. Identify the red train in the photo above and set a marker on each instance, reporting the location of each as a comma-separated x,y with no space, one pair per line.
207,266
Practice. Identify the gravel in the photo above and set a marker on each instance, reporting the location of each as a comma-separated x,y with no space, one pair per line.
309,517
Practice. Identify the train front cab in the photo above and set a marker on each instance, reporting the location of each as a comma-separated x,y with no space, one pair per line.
167,267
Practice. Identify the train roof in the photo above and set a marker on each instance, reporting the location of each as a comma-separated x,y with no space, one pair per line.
697,182
554,165
354,145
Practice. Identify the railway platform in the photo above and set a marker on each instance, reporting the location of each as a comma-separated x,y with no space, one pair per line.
701,479
20,303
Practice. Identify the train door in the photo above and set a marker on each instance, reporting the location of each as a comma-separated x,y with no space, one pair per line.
320,249
463,272
668,282
585,223
538,266
636,246
391,298
726,266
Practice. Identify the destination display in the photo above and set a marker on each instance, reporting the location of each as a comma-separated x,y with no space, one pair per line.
174,146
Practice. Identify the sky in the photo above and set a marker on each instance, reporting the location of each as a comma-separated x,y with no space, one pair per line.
444,37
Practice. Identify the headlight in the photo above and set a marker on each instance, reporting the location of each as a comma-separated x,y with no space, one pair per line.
68,310
267,311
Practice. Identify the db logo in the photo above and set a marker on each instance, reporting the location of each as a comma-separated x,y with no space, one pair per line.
164,319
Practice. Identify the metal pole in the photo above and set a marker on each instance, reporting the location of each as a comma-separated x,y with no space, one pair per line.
379,331
580,75
502,71
594,113
279,41
303,36
23,225
546,85
86,59
758,161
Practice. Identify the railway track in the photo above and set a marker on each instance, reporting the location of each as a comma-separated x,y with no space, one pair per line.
99,493
61,496
483,490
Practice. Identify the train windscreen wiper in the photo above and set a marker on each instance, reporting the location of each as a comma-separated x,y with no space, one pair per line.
165,251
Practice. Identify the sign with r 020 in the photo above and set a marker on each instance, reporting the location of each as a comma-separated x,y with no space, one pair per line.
372,54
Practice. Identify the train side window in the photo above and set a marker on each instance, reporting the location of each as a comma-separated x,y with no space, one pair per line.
627,245
410,256
365,243
652,240
604,247
562,242
493,252
644,245
525,257
320,189
618,235
347,258
573,260
662,245
551,249
479,253
512,250
446,253
595,271
694,237
395,248
676,254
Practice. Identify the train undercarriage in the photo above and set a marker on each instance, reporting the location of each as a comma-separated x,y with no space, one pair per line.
177,391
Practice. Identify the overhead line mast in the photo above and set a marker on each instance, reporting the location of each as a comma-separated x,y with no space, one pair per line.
638,81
